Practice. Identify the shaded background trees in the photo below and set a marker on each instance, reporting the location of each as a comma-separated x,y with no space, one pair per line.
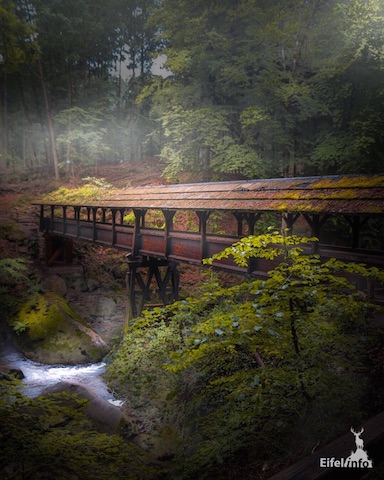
253,87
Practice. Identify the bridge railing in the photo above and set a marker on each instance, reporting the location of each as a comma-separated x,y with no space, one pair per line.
188,247
185,246
180,246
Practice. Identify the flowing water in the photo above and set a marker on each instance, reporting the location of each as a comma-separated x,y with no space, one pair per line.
39,376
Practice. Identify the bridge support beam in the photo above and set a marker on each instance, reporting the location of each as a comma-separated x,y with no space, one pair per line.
315,221
356,222
150,280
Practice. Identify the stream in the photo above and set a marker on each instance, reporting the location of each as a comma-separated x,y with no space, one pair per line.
38,376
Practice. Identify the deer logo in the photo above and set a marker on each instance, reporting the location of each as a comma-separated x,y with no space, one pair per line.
357,459
359,441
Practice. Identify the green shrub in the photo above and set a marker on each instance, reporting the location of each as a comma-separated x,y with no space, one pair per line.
274,365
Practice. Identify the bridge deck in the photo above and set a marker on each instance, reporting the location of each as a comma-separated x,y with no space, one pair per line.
346,194
315,199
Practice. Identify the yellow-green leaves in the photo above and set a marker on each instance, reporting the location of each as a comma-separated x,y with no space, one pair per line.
268,246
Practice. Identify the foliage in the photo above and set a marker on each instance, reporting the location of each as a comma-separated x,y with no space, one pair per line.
93,189
16,43
84,140
281,358
274,82
11,232
210,143
260,88
152,393
17,281
82,60
147,344
51,437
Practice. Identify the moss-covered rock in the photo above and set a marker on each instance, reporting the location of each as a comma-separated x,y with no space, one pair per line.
49,331
9,372
105,417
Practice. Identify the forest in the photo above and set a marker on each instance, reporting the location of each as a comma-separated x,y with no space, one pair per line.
242,377
264,88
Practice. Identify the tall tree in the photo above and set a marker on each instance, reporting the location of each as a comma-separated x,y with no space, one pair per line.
279,75
17,47
351,86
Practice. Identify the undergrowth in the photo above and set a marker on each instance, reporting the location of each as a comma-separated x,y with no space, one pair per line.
257,374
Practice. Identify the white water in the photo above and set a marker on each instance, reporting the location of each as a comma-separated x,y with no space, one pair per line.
39,376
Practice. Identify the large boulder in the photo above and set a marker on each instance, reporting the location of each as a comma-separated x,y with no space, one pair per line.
9,372
49,331
106,417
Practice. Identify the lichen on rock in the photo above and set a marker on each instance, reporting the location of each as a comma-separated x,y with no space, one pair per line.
49,331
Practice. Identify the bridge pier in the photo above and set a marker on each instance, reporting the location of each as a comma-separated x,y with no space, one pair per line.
57,249
148,275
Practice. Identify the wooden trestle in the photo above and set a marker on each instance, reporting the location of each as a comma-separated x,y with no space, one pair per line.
153,254
165,274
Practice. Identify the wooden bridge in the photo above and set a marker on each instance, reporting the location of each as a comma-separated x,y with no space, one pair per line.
305,203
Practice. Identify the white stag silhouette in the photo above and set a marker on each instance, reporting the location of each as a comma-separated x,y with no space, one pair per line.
359,441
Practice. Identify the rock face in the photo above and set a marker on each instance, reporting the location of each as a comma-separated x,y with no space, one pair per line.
100,305
49,331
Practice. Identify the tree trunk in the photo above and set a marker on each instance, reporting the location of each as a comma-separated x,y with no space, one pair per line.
50,124
4,139
68,160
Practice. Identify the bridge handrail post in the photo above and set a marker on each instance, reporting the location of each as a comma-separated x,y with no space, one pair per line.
43,221
139,220
203,217
315,222
356,222
77,217
64,219
52,218
103,210
239,217
288,220
114,211
94,214
122,211
168,215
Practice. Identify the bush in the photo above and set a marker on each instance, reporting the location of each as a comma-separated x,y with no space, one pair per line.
277,365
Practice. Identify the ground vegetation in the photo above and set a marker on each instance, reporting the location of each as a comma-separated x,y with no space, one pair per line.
233,368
